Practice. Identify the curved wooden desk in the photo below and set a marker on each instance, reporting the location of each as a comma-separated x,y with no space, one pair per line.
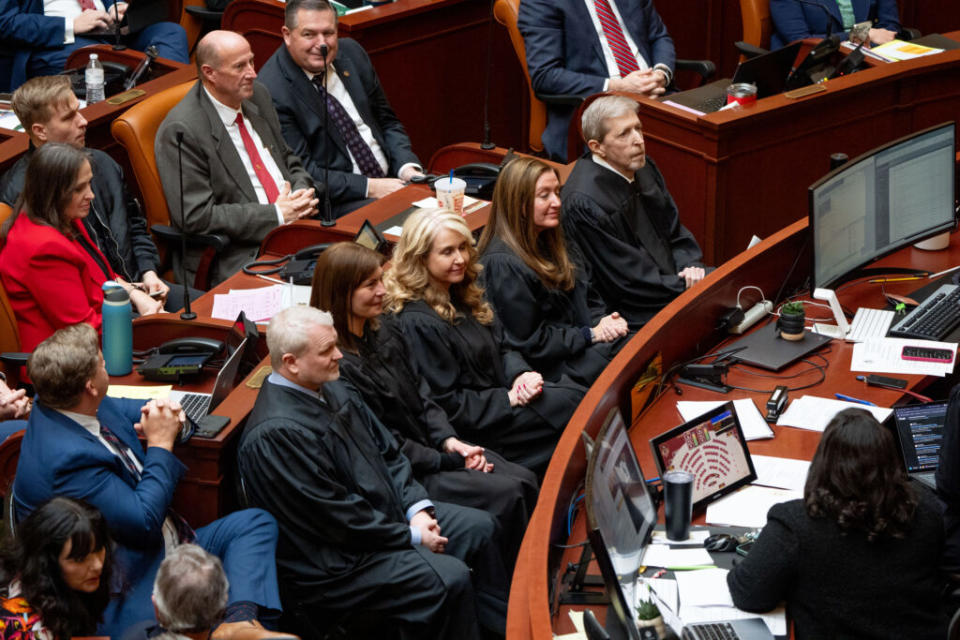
684,329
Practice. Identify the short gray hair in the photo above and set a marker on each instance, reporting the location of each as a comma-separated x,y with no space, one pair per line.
593,123
287,332
190,590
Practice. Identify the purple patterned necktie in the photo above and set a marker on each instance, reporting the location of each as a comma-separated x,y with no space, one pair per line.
358,148
185,532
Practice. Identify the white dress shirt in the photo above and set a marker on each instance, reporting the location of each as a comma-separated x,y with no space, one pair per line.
68,10
613,71
228,115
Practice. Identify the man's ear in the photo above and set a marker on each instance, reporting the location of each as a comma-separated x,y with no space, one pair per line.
290,362
90,389
596,147
38,131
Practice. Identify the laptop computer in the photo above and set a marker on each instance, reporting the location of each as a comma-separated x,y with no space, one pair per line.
920,433
139,15
768,71
199,405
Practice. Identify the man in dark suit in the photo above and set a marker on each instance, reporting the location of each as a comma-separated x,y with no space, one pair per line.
796,20
581,48
364,143
240,178
82,444
45,33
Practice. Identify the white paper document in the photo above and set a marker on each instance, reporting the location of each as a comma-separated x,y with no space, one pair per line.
259,304
753,425
748,507
775,620
781,473
661,555
884,355
705,597
697,538
815,413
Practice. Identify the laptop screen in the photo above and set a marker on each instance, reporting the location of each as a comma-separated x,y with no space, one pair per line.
227,377
712,448
920,431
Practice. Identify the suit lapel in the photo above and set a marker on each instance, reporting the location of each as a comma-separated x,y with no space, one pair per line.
591,35
309,95
258,122
350,78
226,150
96,447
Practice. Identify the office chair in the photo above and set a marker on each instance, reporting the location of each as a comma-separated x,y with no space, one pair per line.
11,358
263,43
136,130
953,631
9,455
505,12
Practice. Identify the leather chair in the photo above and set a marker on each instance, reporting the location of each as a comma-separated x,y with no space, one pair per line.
136,130
757,27
10,356
9,455
505,12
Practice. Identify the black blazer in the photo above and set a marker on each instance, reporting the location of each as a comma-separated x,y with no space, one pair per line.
301,118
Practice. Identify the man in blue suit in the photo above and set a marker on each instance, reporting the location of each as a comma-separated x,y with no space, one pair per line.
795,20
364,147
46,32
582,47
82,444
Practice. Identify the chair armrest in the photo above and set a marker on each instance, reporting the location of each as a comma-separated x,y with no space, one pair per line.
204,13
704,68
909,33
749,50
171,235
564,99
14,358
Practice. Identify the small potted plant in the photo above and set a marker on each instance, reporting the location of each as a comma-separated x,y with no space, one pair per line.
791,321
649,620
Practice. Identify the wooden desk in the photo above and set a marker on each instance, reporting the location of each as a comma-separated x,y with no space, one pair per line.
746,171
13,144
685,328
414,44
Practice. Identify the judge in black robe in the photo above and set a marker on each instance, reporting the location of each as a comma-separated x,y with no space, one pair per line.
387,378
549,326
340,490
470,369
630,235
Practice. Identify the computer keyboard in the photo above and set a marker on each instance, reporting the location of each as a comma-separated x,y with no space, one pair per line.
870,323
934,319
713,103
196,405
710,631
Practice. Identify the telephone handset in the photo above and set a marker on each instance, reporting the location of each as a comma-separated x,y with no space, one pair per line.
300,267
180,358
191,345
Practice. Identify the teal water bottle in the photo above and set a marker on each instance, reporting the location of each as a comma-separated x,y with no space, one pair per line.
117,330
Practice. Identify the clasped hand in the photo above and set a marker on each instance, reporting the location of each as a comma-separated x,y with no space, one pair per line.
526,387
160,422
429,532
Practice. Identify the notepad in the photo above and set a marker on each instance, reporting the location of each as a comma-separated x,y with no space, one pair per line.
753,425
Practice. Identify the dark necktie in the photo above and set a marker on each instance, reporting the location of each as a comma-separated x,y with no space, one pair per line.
626,61
359,149
266,180
185,532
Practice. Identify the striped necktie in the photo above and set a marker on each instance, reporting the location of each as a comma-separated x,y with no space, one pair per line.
626,61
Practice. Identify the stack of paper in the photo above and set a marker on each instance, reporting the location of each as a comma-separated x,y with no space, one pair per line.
705,597
781,473
884,355
748,507
663,555
900,50
753,425
815,413
259,304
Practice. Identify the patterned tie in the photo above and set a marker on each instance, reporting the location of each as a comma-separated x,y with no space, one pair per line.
359,149
266,180
87,4
185,532
626,62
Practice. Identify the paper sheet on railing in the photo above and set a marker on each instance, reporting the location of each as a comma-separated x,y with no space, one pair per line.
753,425
259,304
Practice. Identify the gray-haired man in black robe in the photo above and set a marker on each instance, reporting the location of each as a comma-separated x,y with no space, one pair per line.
616,207
358,534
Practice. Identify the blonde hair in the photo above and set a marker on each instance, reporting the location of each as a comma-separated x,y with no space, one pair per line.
35,100
408,279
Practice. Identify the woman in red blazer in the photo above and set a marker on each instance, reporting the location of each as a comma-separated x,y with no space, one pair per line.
52,271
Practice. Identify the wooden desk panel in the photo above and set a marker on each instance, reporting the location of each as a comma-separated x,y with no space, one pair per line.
13,144
684,329
746,171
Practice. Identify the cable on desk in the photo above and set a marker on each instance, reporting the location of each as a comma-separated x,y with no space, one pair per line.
821,368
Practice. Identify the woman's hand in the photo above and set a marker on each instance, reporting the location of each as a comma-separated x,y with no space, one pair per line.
155,286
527,386
143,303
609,328
13,404
473,457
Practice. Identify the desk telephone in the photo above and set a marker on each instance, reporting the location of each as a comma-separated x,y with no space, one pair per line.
180,358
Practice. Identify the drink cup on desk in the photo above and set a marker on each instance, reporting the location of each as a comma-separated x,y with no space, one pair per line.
450,193
743,93
678,503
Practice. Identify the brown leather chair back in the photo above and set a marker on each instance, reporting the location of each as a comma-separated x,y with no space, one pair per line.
757,24
9,335
9,455
505,11
136,130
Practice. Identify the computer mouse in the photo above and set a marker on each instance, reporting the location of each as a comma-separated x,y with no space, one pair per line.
721,542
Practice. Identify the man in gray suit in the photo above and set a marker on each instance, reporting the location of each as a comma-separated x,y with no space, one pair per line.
240,178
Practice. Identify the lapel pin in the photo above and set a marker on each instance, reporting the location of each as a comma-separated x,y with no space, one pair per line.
346,74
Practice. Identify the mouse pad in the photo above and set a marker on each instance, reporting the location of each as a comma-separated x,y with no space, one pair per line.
767,350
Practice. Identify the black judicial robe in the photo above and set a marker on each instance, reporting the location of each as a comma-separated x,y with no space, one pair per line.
387,378
630,235
550,327
339,487
470,370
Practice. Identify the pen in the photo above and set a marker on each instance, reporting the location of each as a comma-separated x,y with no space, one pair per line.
692,567
840,396
902,279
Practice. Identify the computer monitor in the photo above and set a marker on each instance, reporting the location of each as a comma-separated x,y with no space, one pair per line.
888,198
620,515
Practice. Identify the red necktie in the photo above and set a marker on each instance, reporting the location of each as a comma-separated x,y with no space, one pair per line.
266,180
87,4
626,62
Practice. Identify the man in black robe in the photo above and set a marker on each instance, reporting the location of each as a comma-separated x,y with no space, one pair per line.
357,533
616,207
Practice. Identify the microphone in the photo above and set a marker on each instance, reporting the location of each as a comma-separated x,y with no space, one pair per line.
326,218
116,27
831,19
187,313
141,69
487,142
